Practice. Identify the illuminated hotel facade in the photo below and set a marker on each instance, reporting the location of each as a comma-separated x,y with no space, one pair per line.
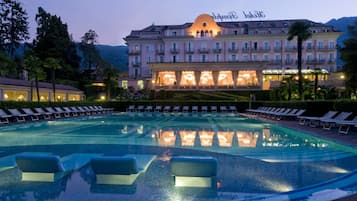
210,55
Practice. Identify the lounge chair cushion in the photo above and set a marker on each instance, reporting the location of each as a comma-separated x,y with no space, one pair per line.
43,164
193,166
114,165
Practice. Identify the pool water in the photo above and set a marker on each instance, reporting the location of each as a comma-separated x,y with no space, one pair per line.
255,159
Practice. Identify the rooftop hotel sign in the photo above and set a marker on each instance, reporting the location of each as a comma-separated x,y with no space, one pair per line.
233,15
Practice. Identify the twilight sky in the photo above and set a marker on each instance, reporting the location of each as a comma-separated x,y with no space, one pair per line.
114,19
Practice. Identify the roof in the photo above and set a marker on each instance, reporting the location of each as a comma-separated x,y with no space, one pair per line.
26,83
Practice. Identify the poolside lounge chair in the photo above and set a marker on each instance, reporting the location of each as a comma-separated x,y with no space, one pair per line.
344,126
185,108
233,108
55,114
204,109
307,119
120,170
96,110
176,109
158,108
18,115
194,171
8,162
194,108
131,108
80,112
292,114
86,112
65,113
140,108
46,115
223,108
50,168
4,117
329,122
148,108
73,113
167,108
213,108
34,116
100,110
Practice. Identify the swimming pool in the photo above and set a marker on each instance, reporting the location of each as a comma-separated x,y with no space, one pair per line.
256,159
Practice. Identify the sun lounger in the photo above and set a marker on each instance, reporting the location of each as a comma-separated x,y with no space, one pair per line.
194,171
167,108
65,113
148,108
131,108
158,108
50,168
194,108
8,162
329,122
18,115
46,115
223,108
74,109
213,108
307,119
120,170
4,117
233,108
176,109
140,108
185,108
204,109
86,112
292,114
73,113
34,116
96,110
344,126
55,114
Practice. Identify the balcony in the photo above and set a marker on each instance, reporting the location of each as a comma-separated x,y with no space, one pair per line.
332,61
160,52
217,50
278,49
203,50
310,48
290,49
275,62
245,49
136,64
134,52
232,50
261,49
189,51
289,61
325,48
174,51
315,61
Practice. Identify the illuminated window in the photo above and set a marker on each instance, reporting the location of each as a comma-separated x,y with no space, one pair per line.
15,95
60,97
247,78
167,78
188,78
206,78
43,96
225,78
140,84
73,97
124,84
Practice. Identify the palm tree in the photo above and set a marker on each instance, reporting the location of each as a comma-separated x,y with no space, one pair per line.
110,75
33,65
301,30
317,72
52,64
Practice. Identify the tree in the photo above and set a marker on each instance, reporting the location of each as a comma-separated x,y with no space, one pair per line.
33,65
91,57
349,56
54,41
288,87
317,72
110,75
14,26
7,66
52,64
301,30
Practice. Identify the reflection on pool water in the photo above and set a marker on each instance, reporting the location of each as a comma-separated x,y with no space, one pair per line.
255,158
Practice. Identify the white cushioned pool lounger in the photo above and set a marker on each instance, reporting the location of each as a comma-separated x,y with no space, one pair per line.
50,168
122,170
194,171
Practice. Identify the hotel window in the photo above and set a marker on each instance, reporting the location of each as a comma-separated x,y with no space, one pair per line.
266,45
320,44
217,46
247,78
246,45
288,44
235,32
277,45
309,57
161,47
136,47
136,72
309,45
245,58
189,58
331,57
174,46
149,60
140,84
234,57
124,84
15,95
331,45
321,57
225,78
73,97
174,59
161,59
167,78
174,33
266,57
233,45
203,58
189,48
255,57
188,78
217,58
206,79
288,58
136,60
255,45
277,57
43,96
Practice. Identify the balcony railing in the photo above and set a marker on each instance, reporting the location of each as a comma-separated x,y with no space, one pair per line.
160,52
174,51
217,50
325,48
277,49
203,50
189,51
289,61
135,64
232,50
245,49
134,52
261,49
315,61
290,49
275,62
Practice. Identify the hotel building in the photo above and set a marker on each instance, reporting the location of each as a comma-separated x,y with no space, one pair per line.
210,55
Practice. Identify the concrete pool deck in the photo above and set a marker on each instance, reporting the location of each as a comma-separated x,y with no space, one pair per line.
348,139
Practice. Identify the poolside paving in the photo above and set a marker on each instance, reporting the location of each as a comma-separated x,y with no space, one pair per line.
348,139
